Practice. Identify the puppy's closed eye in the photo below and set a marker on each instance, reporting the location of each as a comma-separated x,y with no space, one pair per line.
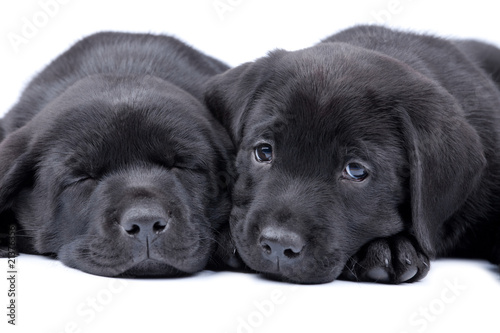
77,179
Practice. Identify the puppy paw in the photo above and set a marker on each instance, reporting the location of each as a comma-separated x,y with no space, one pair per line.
387,260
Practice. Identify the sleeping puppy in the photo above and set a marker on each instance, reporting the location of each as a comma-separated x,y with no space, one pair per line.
364,156
111,162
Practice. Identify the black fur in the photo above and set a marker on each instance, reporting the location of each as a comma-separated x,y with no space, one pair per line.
111,162
422,116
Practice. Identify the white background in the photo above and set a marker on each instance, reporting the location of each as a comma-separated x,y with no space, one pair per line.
456,296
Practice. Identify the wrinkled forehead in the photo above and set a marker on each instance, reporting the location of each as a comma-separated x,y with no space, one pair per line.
128,123
339,113
101,133
102,103
333,89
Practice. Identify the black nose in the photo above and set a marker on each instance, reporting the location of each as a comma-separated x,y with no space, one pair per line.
144,221
277,243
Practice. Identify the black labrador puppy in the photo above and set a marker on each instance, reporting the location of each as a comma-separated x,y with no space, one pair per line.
364,156
111,162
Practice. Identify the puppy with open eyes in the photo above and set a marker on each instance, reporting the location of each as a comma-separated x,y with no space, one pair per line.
111,163
365,156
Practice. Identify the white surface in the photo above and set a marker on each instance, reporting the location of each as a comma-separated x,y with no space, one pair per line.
456,296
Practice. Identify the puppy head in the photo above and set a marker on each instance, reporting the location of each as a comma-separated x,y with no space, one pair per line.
338,146
119,176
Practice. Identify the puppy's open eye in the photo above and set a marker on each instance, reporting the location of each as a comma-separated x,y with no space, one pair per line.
355,171
264,153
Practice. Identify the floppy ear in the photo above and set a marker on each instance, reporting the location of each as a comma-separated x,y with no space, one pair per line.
1,131
230,95
16,171
17,165
447,162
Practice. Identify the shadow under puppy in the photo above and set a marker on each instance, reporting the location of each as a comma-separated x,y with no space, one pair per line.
364,156
111,162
